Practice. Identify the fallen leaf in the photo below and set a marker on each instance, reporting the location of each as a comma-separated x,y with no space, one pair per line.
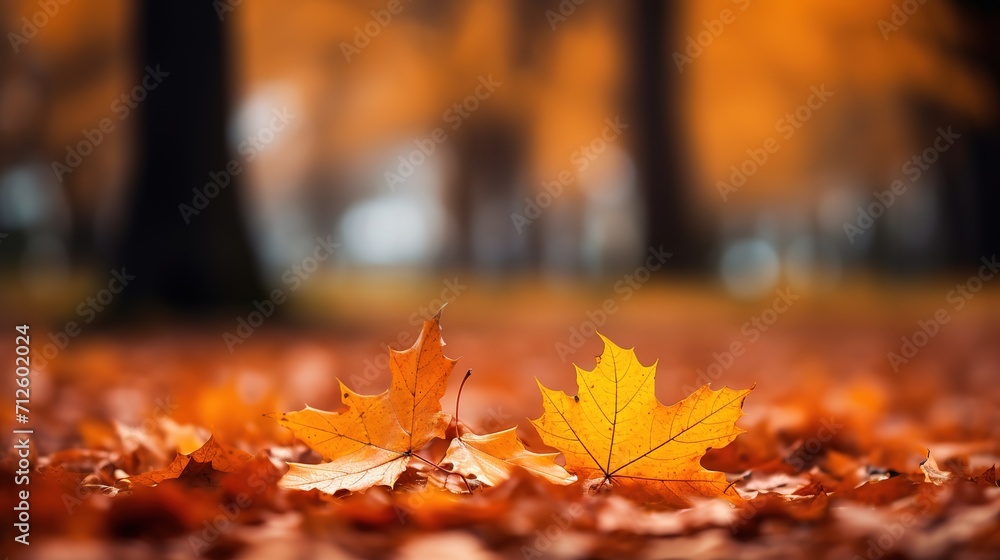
768,506
203,467
881,492
988,478
932,472
813,489
372,442
615,432
490,458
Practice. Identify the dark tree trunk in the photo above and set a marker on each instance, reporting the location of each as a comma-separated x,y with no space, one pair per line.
660,150
206,264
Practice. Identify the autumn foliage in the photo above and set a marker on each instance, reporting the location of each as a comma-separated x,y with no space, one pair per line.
614,434
395,473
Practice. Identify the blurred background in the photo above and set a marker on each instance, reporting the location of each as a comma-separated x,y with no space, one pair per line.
344,168
692,90
213,210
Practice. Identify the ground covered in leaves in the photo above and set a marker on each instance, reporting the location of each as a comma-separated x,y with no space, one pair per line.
154,443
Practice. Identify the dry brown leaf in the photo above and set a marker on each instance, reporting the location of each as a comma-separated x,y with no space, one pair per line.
932,472
204,467
988,478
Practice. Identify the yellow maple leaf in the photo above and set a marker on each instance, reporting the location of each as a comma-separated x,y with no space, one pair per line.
372,441
490,458
616,433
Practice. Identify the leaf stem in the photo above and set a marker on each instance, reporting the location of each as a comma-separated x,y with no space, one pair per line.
444,470
458,399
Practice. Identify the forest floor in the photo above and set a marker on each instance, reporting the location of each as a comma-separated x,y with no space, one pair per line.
833,464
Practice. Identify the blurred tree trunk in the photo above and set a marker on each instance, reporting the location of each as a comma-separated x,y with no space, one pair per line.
974,217
206,264
660,149
966,195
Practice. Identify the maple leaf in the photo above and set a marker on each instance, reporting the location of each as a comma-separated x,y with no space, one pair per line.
372,442
490,458
615,432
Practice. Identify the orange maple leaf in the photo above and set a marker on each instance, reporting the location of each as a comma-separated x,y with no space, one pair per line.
372,442
616,433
